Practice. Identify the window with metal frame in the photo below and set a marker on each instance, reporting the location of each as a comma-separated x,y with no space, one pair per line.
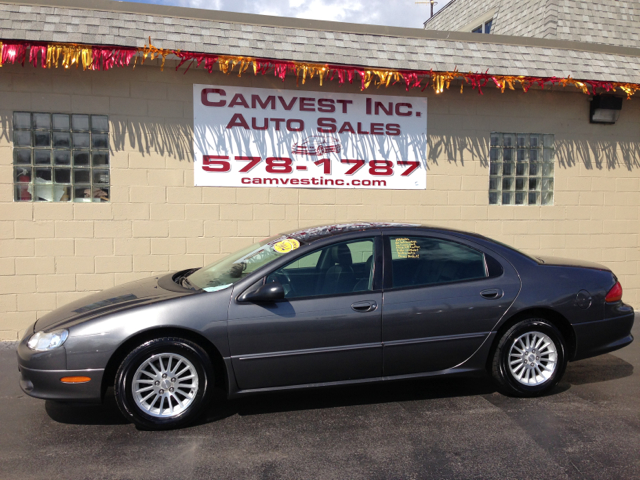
521,169
60,157
484,27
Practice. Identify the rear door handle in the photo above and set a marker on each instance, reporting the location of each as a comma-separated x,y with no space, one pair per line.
492,293
365,306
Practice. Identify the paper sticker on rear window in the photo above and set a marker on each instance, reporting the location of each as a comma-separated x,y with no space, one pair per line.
407,248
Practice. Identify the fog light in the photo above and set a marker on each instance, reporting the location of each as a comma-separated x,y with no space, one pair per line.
73,380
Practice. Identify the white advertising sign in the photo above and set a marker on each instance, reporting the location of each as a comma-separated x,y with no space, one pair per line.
254,137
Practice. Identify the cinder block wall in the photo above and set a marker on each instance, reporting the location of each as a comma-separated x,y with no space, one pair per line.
53,253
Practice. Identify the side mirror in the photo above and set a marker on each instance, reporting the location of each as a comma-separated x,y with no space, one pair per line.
269,292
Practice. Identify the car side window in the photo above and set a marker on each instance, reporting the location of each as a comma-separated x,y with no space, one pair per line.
308,261
417,261
345,267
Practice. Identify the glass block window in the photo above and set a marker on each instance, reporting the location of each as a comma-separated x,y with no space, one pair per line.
58,157
521,169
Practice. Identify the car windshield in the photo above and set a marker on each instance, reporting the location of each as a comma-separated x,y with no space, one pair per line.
235,267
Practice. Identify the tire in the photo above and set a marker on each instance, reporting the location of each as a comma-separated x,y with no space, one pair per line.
176,377
512,367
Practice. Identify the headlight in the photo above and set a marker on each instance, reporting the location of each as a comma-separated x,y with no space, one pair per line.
42,341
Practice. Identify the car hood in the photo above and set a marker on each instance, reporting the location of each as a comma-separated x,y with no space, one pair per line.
129,295
570,262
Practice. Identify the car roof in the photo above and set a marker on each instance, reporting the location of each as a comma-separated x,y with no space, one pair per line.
319,232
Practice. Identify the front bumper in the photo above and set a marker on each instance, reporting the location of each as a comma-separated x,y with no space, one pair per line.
40,374
46,384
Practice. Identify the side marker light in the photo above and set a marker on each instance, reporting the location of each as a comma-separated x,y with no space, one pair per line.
74,380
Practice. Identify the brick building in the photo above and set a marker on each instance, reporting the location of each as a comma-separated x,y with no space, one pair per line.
97,171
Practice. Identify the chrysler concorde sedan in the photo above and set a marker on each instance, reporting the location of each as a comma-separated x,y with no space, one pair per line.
328,305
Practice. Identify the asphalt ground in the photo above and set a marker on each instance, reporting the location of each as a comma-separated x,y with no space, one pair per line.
587,428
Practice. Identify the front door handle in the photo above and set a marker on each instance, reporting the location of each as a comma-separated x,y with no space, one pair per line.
492,293
365,306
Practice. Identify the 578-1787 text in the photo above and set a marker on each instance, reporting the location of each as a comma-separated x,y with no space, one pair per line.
284,165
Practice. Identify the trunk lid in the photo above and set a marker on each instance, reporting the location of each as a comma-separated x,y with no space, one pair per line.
570,262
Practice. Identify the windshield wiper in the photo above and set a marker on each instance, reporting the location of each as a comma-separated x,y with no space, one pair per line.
183,281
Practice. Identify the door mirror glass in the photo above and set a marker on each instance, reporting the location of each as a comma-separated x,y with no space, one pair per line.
269,292
341,268
420,261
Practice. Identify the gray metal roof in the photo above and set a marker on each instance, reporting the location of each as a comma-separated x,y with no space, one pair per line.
103,22
609,22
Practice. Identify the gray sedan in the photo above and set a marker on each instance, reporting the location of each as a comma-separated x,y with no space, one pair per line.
329,305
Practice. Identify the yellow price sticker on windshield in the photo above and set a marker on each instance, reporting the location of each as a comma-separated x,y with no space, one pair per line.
285,246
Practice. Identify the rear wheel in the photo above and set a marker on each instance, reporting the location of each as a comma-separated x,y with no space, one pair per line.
530,358
164,383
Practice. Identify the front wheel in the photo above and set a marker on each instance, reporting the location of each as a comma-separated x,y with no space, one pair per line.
164,383
530,358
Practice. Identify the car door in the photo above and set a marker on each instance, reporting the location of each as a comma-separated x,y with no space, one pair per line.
328,327
442,297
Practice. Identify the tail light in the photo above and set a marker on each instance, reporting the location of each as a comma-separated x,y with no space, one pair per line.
615,294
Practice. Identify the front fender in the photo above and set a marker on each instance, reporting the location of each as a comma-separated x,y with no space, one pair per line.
91,344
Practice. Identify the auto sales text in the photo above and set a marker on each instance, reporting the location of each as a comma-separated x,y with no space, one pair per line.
216,97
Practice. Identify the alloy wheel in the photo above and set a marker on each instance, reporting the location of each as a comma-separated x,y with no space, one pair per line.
165,385
533,358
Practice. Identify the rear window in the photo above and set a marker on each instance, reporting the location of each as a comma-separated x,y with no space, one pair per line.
535,259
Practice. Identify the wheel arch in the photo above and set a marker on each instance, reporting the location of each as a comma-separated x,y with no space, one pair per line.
220,372
557,319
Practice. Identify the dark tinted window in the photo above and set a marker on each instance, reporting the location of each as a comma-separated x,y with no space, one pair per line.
333,270
493,266
429,261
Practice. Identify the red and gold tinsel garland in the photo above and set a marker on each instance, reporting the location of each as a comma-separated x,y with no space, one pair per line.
67,55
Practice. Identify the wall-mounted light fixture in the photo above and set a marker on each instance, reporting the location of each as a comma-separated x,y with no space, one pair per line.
605,109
